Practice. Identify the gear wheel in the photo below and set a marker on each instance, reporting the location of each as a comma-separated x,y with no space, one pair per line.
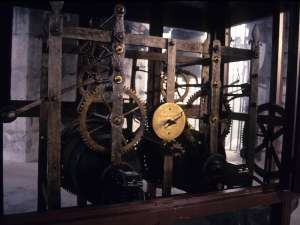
98,69
269,129
93,52
109,195
214,169
225,118
180,91
133,108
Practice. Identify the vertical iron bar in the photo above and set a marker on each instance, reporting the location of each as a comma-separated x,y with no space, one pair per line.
252,115
215,84
42,154
54,105
168,160
204,79
117,80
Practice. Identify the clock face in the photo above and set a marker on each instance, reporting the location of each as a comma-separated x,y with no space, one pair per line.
168,121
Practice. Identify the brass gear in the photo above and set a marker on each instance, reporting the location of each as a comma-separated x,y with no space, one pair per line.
92,70
182,92
134,110
226,120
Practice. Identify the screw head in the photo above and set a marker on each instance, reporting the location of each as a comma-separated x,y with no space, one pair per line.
56,29
119,49
215,84
214,119
216,59
117,120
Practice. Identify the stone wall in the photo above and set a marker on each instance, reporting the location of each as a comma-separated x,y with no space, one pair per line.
20,138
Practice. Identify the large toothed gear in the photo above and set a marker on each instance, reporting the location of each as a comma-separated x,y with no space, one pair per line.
181,91
133,111
97,70
224,119
269,130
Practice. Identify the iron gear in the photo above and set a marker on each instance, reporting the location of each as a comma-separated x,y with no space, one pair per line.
92,52
225,118
214,169
133,108
270,124
181,90
98,70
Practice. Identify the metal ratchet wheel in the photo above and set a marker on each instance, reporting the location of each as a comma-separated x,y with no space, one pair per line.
269,132
225,118
134,113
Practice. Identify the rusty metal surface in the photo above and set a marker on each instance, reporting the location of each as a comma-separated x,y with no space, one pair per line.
215,85
54,104
159,42
252,114
168,160
118,49
87,34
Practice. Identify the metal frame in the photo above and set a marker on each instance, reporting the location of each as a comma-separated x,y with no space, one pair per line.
165,210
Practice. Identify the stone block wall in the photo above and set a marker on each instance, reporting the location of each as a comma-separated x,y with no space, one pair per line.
20,138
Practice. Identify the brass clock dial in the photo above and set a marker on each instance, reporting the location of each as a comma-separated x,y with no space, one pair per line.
168,121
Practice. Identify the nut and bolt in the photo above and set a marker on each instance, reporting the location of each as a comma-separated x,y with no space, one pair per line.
118,79
214,119
119,49
54,98
172,43
117,120
118,68
56,29
216,59
120,9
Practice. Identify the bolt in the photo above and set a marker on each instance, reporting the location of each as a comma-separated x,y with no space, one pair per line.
117,120
118,68
54,98
120,9
172,43
11,114
216,59
215,84
119,49
118,79
253,104
42,137
56,29
54,166
214,119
